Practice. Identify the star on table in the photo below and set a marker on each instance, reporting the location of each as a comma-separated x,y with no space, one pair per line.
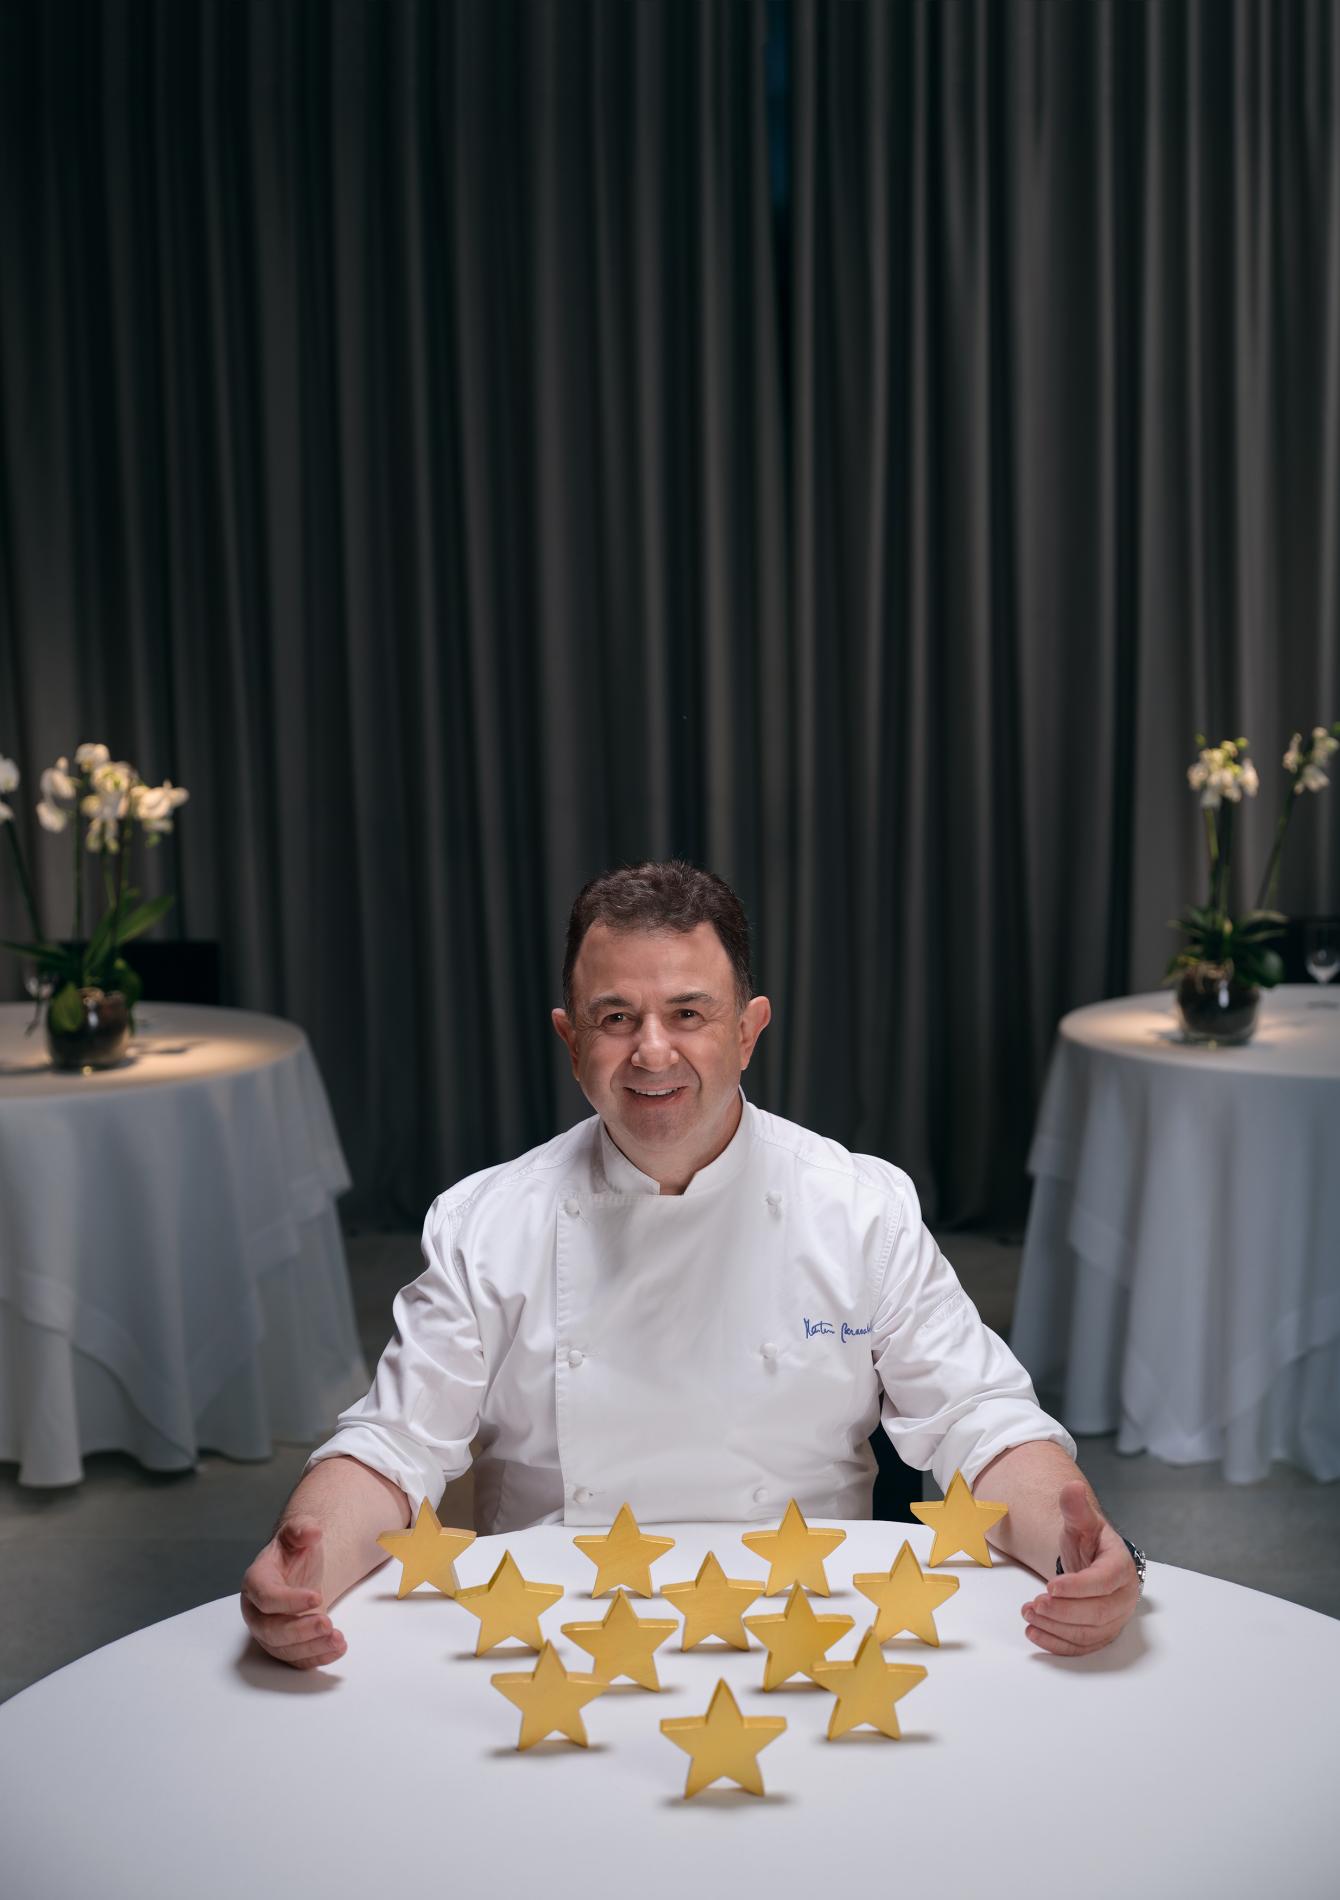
712,1605
960,1522
866,1689
723,1743
796,1639
623,1643
624,1555
427,1553
550,1697
905,1599
509,1606
795,1552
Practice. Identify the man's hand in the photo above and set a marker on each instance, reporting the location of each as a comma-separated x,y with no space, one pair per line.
283,1601
326,1541
1093,1601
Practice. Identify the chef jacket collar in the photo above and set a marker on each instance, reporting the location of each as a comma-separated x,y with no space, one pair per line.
621,1177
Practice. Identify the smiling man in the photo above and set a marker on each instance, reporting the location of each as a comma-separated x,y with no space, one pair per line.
686,1304
660,1026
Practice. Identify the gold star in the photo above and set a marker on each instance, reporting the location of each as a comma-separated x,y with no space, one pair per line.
427,1553
960,1522
796,1639
867,1689
712,1605
623,1555
906,1598
623,1643
723,1743
795,1552
550,1698
509,1606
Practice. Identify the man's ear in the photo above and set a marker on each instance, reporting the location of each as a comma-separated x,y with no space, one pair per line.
564,1029
754,1019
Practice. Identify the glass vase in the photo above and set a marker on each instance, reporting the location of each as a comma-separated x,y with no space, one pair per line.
1214,1006
102,1038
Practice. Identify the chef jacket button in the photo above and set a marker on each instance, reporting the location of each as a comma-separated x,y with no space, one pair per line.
572,1207
774,1201
761,1495
769,1351
576,1356
581,1495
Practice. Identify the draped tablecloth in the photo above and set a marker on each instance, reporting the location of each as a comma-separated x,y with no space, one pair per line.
1180,1282
172,1272
1192,1757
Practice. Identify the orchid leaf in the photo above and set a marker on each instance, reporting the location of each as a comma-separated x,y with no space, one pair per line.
39,952
121,923
51,957
1258,925
143,919
110,929
67,1009
123,978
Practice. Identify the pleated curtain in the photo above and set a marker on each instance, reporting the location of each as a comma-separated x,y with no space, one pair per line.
855,446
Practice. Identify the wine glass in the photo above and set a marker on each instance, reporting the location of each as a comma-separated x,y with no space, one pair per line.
41,986
1321,953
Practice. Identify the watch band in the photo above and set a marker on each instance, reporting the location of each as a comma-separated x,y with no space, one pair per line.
1137,1558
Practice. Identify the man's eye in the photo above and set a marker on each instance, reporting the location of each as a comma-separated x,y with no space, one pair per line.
615,1020
689,1014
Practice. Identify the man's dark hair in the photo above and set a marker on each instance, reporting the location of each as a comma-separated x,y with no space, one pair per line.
671,895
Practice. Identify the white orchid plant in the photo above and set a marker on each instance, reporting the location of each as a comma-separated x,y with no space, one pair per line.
102,802
1224,776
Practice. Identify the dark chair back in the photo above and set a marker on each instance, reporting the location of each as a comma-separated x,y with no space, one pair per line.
896,1484
1292,946
185,971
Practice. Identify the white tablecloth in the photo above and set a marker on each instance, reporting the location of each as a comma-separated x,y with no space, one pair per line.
1180,1281
1195,1756
172,1273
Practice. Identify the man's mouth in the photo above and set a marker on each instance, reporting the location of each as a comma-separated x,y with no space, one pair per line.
656,1095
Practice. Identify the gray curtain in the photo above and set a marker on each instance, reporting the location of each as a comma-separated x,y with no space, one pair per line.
855,446
1066,410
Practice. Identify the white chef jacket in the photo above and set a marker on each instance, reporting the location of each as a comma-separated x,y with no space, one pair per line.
700,1356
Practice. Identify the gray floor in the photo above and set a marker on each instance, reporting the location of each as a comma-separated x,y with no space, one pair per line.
82,1566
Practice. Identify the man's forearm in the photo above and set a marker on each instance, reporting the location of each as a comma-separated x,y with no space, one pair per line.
1029,1478
353,1505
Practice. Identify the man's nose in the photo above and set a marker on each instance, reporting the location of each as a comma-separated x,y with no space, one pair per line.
654,1048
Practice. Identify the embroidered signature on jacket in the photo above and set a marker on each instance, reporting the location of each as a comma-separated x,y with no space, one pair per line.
814,1327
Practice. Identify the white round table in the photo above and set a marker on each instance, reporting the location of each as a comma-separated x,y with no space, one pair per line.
1192,1757
172,1273
1180,1281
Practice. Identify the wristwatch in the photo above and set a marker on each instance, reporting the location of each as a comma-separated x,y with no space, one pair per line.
1137,1558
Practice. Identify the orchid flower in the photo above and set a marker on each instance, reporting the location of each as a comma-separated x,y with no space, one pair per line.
9,779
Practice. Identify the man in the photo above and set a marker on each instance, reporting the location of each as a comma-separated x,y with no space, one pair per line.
683,1303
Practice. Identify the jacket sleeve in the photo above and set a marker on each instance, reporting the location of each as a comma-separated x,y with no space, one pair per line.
416,1424
955,1396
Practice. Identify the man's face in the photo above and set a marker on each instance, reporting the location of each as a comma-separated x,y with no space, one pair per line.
659,1043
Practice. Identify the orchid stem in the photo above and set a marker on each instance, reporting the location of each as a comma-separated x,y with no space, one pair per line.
1266,898
78,878
24,885
1224,860
123,834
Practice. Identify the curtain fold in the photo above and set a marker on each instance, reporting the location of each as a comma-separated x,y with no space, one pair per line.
446,437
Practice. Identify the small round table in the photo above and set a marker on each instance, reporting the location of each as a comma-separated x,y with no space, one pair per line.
172,1273
1180,1282
1193,1756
